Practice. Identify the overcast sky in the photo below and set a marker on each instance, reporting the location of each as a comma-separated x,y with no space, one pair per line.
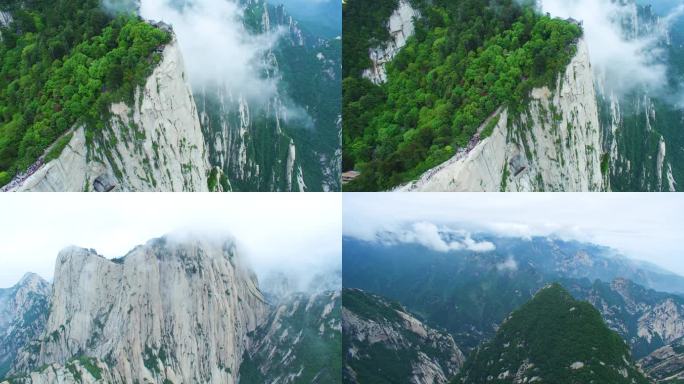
647,226
273,229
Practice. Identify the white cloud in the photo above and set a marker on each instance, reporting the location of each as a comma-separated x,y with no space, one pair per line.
624,59
509,265
440,239
217,48
295,233
645,226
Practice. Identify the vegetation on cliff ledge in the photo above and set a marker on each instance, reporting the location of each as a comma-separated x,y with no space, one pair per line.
63,63
465,60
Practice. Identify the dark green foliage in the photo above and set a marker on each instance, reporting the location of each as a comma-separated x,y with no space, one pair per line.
466,59
63,63
552,332
363,26
318,355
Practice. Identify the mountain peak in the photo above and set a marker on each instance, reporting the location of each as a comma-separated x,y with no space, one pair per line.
553,338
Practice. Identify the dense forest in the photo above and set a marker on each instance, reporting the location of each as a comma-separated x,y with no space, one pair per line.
465,60
62,63
584,349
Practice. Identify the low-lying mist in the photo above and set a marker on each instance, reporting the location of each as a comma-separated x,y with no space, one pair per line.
217,47
624,55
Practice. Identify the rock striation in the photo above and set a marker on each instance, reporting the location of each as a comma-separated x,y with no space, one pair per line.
555,145
155,144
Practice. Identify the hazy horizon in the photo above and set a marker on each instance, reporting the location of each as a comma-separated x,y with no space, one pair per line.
644,227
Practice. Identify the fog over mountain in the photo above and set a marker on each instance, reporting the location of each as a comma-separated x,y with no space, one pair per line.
626,57
295,234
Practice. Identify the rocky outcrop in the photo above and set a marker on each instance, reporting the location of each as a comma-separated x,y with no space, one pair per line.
372,325
170,310
555,145
646,319
299,343
665,364
23,314
400,27
155,144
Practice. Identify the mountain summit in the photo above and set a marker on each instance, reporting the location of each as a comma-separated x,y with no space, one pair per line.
553,339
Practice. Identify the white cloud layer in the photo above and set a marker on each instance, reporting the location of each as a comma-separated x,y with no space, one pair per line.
624,59
298,234
433,237
645,226
217,48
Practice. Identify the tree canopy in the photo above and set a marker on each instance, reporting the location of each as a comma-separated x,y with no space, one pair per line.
63,63
465,60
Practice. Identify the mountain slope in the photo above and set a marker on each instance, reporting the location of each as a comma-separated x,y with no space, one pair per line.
642,135
289,142
385,344
153,143
552,146
23,314
300,342
554,339
666,364
94,102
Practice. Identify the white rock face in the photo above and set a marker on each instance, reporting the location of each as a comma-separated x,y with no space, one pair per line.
400,26
554,146
176,310
5,19
154,145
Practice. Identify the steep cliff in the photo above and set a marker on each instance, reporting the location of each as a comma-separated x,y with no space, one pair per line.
384,343
290,140
169,311
154,144
400,27
23,314
554,145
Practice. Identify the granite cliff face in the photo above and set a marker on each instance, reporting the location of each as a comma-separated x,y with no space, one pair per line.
374,327
400,27
155,144
23,314
169,310
555,145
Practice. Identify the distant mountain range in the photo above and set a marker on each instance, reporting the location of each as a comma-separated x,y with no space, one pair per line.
470,294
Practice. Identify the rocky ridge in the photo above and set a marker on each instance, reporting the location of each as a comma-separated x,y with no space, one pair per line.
156,144
374,327
553,146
